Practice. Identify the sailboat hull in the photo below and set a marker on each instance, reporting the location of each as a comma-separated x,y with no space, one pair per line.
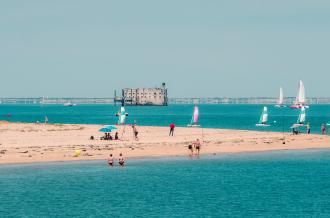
193,125
297,125
262,125
299,106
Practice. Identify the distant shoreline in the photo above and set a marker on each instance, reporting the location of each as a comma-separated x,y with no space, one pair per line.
211,100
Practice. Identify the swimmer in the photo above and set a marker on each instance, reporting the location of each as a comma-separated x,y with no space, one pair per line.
110,160
121,160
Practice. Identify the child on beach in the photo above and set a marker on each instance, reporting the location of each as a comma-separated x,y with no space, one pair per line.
190,147
121,160
110,160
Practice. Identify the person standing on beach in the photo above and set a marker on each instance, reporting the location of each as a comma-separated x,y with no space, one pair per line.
135,132
172,126
116,136
308,128
323,129
197,146
111,160
121,160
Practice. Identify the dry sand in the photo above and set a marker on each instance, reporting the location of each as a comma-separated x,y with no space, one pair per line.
24,143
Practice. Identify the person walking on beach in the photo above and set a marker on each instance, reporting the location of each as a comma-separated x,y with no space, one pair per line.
110,160
308,128
135,132
172,126
197,146
323,129
121,160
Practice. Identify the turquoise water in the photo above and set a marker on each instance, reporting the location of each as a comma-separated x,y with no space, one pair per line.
211,116
273,184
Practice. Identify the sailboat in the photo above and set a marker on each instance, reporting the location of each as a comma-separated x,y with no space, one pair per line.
301,119
280,102
69,104
194,118
300,98
122,116
263,118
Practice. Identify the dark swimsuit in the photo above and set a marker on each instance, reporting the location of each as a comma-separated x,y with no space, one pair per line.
121,162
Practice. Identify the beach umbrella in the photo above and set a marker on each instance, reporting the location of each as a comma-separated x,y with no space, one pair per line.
107,129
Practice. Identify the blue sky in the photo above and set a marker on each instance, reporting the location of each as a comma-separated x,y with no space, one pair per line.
216,48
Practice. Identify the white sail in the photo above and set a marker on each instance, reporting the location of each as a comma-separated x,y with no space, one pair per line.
280,100
122,116
194,118
263,118
302,116
300,99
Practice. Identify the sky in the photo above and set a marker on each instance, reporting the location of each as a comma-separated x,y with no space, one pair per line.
200,48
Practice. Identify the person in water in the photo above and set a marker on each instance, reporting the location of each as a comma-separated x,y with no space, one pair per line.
308,128
191,149
121,160
172,126
197,146
110,160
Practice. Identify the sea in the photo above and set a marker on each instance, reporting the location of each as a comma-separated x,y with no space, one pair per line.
261,184
270,184
228,116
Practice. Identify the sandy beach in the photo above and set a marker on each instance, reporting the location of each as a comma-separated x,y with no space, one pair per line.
26,143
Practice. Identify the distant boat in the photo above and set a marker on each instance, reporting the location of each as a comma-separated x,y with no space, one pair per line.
121,116
300,101
69,104
194,118
263,118
280,102
301,119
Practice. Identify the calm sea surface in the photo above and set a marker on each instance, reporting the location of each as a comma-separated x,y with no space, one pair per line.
211,116
272,184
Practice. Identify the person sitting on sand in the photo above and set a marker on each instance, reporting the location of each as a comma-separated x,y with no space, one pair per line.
294,131
111,160
121,160
197,146
92,137
116,136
